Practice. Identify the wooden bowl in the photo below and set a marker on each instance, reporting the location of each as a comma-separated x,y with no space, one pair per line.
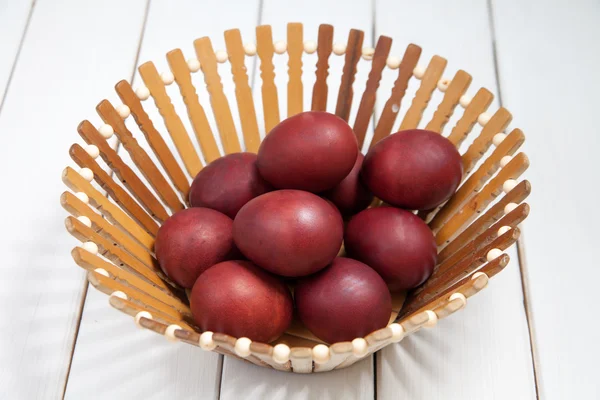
118,201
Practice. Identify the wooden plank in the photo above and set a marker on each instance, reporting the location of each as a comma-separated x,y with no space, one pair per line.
40,284
13,22
110,347
244,381
563,148
476,351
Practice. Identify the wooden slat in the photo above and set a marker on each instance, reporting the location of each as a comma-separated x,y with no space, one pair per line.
113,213
324,49
132,309
265,353
518,194
126,176
476,181
346,93
243,93
177,131
367,102
449,272
91,262
113,253
116,192
108,285
477,204
482,100
338,353
392,106
295,49
458,86
183,78
482,143
467,286
512,219
270,102
301,358
78,208
154,138
429,82
218,100
139,156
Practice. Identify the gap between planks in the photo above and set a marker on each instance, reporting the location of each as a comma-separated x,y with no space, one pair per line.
525,289
18,54
117,147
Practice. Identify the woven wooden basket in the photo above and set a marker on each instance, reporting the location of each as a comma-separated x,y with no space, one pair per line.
118,201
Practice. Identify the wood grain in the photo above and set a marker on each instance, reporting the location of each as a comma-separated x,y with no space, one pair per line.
295,49
139,156
115,254
458,86
116,192
103,227
91,262
479,202
154,138
429,82
468,286
346,93
218,100
392,106
183,78
114,214
243,92
512,219
270,101
475,182
108,285
367,102
175,127
132,309
478,105
494,213
126,176
482,143
324,49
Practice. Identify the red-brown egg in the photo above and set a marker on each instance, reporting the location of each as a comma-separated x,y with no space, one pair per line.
395,243
239,299
289,232
191,241
351,195
228,183
310,151
344,301
413,169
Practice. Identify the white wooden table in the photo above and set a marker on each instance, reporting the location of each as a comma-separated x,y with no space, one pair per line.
533,332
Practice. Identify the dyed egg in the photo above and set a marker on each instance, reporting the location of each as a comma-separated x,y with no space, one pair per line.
191,241
351,195
344,301
289,232
228,183
310,151
414,169
395,243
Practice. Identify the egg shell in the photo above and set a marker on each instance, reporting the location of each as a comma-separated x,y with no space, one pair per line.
351,195
413,169
344,301
310,151
239,299
395,243
191,241
289,232
228,183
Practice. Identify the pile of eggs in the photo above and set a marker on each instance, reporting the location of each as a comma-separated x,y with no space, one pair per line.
261,240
